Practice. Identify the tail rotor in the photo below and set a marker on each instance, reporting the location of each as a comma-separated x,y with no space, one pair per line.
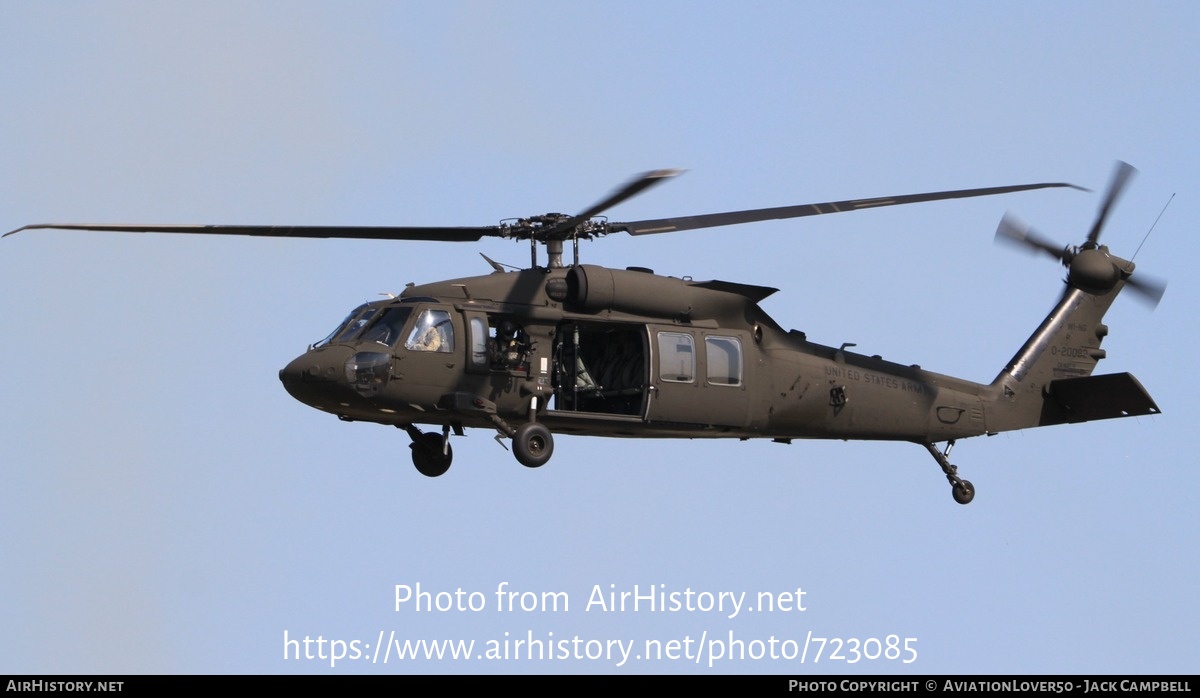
1090,266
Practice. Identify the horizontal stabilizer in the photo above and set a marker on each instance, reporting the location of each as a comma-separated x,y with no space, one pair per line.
1071,400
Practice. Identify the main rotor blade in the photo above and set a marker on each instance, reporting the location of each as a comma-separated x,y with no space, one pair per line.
1015,231
711,220
1120,178
437,234
630,189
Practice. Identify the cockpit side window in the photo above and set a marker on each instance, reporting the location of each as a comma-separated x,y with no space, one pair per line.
433,331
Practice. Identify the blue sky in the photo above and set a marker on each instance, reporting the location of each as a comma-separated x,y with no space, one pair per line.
169,508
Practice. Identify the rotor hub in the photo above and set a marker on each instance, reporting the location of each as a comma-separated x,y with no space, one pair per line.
551,226
1093,269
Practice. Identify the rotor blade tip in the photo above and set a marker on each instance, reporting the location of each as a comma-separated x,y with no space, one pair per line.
664,173
14,232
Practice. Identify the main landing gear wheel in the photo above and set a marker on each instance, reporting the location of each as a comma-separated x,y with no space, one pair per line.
963,491
533,444
428,456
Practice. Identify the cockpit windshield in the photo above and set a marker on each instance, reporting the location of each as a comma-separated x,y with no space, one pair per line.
386,328
351,326
383,324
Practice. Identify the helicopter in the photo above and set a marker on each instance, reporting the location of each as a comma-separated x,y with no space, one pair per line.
588,350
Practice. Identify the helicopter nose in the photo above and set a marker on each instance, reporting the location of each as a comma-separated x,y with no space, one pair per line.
312,367
294,372
310,376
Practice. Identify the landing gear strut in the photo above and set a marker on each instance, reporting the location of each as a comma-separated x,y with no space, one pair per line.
431,453
962,490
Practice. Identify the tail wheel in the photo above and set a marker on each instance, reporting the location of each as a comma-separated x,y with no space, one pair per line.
533,444
963,491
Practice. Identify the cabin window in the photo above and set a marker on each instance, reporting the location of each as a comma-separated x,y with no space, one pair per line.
434,331
676,357
724,356
479,342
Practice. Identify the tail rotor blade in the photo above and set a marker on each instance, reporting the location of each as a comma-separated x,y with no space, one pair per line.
1120,178
1149,290
1014,231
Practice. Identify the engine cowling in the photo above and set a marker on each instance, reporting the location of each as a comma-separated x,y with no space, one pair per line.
594,288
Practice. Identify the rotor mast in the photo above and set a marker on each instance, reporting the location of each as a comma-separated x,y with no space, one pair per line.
554,253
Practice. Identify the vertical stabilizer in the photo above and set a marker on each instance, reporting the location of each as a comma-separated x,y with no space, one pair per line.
1065,346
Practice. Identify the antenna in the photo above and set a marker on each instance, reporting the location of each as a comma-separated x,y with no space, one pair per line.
1160,215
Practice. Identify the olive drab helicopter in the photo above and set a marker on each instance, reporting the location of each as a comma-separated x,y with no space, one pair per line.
583,349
